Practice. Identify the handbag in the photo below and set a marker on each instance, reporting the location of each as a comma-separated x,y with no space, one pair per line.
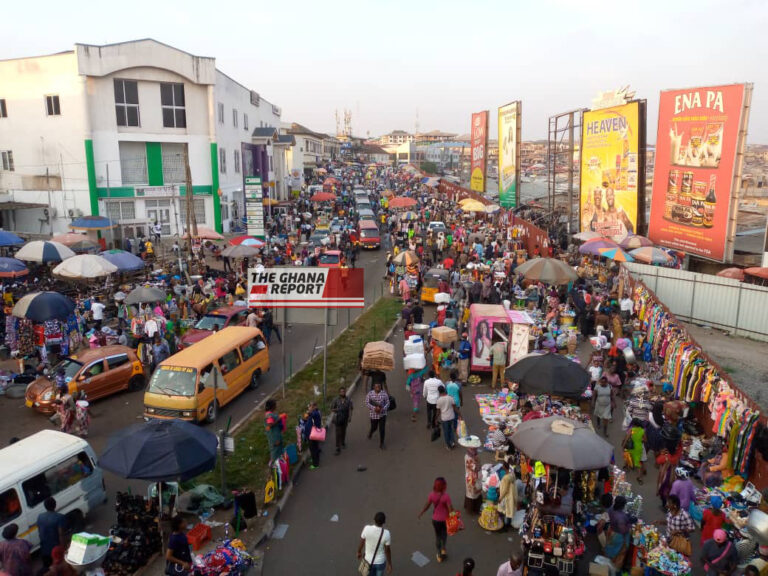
454,523
680,544
317,434
174,569
392,403
364,568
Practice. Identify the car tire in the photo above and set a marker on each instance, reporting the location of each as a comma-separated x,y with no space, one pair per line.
210,411
136,383
255,379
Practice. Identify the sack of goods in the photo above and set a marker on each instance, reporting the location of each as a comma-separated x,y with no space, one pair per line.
444,335
415,361
414,345
378,356
442,298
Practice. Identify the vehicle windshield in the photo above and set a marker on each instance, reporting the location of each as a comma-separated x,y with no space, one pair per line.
69,366
174,381
369,233
329,259
209,321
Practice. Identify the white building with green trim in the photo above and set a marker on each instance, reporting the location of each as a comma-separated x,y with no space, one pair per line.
102,129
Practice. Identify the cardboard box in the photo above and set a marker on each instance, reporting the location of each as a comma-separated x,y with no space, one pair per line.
598,569
444,335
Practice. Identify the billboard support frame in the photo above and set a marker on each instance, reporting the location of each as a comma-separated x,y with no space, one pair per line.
556,135
741,144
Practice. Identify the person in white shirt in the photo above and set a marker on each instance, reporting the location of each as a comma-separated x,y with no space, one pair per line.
448,417
374,546
431,394
627,306
97,312
513,566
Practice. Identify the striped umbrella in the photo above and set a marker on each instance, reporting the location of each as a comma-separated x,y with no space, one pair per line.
12,268
616,254
42,306
651,255
635,241
41,252
409,216
594,246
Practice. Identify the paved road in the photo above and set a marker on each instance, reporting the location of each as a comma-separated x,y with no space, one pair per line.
397,482
125,409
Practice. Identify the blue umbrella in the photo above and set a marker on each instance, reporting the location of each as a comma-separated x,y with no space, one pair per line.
42,306
125,261
160,451
42,252
92,223
12,268
9,239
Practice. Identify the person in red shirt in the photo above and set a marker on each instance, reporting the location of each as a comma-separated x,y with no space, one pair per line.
712,519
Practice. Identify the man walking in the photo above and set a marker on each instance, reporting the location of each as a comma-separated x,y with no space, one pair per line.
374,546
342,416
51,527
377,403
465,351
160,350
499,359
449,413
431,394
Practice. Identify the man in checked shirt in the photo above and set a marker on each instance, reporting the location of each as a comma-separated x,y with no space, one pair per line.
377,402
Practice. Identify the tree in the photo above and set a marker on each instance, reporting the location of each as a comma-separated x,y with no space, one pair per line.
429,167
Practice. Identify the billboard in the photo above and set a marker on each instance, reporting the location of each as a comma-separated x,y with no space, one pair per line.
479,151
694,179
509,154
613,169
310,287
254,207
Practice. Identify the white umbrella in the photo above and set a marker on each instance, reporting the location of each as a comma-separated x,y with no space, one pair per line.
587,235
85,266
40,252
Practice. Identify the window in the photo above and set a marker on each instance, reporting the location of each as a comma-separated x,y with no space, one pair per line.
221,113
56,479
52,106
245,117
199,206
94,369
133,163
117,361
120,211
234,117
249,350
127,102
172,101
6,157
237,161
229,362
173,163
4,112
222,161
10,507
225,210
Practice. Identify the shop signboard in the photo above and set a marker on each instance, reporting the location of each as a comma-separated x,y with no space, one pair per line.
509,154
479,151
613,169
254,207
697,169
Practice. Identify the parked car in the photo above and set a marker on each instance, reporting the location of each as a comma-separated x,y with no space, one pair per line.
218,320
99,372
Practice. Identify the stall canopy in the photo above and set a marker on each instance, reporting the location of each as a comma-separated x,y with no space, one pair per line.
125,261
733,273
402,202
12,268
92,223
246,241
563,442
547,270
633,241
85,267
43,306
43,252
240,251
594,246
650,255
9,239
145,294
552,374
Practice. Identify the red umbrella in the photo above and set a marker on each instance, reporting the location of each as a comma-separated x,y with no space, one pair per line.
323,197
247,240
402,202
759,272
734,273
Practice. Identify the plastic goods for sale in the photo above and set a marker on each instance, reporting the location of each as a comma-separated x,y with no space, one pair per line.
414,361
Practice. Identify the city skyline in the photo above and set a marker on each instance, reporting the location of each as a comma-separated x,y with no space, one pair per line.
429,61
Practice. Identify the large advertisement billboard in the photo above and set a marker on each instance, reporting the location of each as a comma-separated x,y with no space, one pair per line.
694,180
509,151
479,150
613,169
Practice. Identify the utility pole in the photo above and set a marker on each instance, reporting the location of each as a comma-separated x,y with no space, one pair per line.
191,222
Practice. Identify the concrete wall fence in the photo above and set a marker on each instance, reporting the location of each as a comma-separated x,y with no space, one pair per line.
739,308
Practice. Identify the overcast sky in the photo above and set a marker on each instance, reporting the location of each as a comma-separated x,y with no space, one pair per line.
387,60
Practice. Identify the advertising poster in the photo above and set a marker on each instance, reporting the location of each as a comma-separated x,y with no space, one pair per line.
254,207
611,169
509,127
696,150
479,150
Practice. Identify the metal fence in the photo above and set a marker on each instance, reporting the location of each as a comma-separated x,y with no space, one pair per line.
705,299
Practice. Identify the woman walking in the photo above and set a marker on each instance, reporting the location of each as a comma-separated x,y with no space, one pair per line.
414,383
178,556
634,450
442,509
312,419
603,404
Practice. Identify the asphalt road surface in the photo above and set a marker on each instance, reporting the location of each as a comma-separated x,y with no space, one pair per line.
122,410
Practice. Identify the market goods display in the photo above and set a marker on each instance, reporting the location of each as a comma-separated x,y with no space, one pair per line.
378,356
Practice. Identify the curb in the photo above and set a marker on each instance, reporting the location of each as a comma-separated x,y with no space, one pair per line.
269,527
